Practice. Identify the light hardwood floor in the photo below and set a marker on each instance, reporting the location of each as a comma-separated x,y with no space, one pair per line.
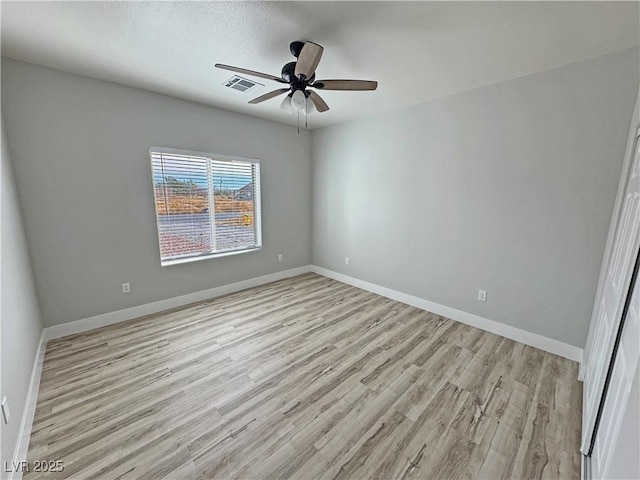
304,378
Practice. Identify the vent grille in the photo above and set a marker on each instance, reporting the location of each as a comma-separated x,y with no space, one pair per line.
242,84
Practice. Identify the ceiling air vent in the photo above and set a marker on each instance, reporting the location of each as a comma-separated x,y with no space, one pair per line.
242,84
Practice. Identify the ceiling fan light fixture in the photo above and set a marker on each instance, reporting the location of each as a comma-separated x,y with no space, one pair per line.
298,101
286,104
310,108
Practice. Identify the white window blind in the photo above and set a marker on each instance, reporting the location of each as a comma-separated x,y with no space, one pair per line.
206,205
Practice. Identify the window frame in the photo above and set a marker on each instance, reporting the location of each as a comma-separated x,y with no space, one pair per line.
257,203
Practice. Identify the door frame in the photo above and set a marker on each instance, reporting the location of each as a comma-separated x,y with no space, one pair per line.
625,173
590,419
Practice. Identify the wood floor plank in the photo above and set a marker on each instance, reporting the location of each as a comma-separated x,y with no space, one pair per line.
303,378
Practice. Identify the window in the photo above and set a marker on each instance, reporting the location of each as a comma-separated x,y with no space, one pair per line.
206,205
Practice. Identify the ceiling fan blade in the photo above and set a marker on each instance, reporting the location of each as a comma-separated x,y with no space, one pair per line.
317,100
345,85
250,72
308,59
268,96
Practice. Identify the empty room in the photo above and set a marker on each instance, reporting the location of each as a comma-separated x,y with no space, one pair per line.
320,240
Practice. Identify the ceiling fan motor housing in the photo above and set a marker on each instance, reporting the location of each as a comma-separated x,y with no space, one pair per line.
296,48
289,76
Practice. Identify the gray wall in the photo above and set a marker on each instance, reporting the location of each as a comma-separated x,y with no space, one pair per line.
80,149
20,322
508,188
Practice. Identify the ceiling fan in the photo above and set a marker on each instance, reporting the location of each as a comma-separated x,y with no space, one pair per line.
300,75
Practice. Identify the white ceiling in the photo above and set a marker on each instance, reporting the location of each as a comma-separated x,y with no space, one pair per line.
416,50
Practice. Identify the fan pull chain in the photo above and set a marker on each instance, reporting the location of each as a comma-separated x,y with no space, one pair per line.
298,122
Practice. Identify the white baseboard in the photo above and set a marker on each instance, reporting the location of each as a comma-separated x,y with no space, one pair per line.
532,339
29,411
83,325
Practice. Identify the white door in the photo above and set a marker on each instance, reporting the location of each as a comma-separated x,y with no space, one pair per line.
614,292
619,390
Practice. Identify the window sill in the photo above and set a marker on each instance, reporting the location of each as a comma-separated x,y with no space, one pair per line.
179,261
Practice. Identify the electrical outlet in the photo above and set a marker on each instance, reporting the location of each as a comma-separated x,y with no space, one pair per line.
280,257
5,410
126,288
346,260
482,295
